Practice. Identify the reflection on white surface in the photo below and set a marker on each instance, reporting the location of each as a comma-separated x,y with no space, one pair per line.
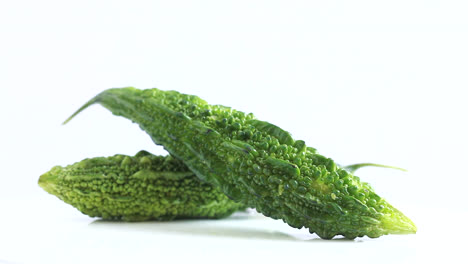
241,225
50,231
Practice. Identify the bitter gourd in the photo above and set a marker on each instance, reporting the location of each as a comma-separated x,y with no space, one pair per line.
258,164
143,187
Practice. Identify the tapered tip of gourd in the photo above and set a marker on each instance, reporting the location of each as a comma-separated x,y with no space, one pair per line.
398,223
47,181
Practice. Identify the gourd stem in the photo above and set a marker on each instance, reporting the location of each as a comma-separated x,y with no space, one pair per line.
354,167
90,102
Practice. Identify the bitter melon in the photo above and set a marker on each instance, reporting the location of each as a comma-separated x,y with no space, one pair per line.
258,164
143,187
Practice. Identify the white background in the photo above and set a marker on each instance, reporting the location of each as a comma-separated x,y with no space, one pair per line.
361,81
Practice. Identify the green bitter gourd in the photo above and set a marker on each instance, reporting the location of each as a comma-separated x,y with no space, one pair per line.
258,164
143,187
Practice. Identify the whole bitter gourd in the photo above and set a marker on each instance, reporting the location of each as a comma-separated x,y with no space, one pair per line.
138,188
258,164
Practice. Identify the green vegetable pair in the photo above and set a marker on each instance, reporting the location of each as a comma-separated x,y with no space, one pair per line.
254,163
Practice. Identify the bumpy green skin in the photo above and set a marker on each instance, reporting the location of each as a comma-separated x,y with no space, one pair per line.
258,164
139,188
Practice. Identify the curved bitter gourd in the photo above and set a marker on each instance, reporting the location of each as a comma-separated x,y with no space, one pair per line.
258,164
143,187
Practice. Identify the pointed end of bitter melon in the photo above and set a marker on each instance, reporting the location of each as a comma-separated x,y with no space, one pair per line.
48,180
397,223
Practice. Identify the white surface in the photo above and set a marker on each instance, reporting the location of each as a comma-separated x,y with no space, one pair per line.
361,81
53,233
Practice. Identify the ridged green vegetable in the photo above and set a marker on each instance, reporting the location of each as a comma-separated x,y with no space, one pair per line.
258,164
143,187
